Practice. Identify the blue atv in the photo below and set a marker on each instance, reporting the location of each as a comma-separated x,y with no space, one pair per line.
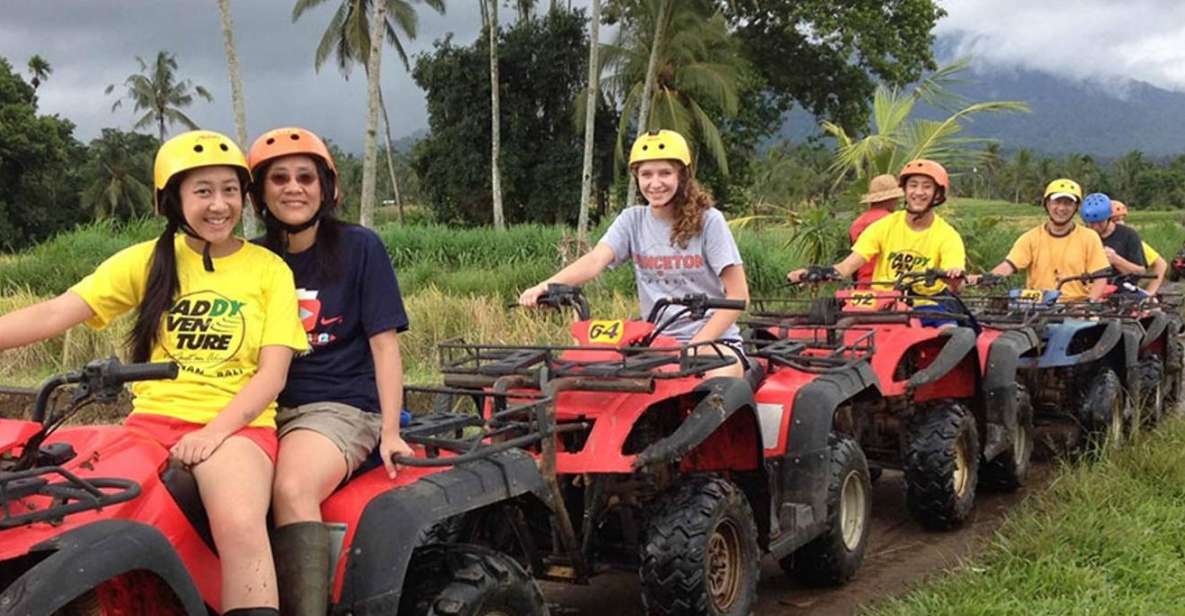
1085,374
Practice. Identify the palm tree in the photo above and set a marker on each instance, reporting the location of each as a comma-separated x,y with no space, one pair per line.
117,189
40,69
347,39
590,123
155,90
490,14
236,95
693,64
898,138
370,152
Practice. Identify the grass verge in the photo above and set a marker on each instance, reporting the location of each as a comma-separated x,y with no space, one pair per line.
1106,538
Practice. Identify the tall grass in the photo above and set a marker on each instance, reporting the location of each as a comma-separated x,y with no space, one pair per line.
464,261
1107,538
435,315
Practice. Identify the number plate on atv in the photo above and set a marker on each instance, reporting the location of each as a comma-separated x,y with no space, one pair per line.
605,332
1030,295
866,301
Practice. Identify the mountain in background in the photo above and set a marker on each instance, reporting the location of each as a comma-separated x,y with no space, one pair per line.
1103,120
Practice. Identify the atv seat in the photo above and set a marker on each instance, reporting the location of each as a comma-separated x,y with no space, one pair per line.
754,374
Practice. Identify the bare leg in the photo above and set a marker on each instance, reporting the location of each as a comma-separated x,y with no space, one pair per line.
309,468
235,484
736,370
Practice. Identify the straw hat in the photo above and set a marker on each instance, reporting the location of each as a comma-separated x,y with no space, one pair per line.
882,188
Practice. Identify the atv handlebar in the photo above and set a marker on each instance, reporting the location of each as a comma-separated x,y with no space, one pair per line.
697,304
102,378
1107,274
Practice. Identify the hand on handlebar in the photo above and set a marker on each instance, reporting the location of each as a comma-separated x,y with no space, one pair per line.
813,274
530,297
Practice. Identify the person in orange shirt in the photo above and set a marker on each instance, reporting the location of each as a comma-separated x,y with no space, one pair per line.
1058,248
882,196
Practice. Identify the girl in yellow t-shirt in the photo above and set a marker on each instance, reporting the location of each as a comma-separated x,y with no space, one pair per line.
225,311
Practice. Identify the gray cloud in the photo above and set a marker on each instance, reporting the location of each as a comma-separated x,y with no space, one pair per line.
1093,40
93,44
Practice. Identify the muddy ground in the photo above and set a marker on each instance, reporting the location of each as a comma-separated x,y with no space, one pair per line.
901,554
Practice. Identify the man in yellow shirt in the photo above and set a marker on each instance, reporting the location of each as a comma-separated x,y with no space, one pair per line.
1155,262
1059,248
911,240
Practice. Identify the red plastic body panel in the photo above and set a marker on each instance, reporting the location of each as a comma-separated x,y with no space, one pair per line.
115,451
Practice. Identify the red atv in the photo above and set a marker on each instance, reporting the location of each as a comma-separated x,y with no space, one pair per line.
940,401
95,520
687,480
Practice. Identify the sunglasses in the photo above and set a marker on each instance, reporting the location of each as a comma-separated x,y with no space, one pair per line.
282,179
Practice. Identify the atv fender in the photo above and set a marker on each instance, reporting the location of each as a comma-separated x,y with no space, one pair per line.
85,557
722,397
1060,335
806,466
393,523
960,341
1155,329
999,388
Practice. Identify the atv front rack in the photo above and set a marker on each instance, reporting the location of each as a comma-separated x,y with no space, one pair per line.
72,495
599,368
817,348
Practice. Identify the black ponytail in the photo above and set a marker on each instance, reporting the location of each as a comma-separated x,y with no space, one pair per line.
162,288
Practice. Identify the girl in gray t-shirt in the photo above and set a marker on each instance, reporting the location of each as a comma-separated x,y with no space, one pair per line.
678,243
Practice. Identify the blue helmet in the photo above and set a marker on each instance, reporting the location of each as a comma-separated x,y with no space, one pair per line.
1096,207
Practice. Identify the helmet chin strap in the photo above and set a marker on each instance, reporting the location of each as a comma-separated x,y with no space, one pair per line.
207,261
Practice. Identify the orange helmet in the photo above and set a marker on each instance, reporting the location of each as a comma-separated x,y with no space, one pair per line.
930,169
1118,209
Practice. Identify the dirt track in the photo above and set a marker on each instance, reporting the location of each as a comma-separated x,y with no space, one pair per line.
900,555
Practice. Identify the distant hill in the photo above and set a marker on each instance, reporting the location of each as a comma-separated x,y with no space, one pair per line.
1103,120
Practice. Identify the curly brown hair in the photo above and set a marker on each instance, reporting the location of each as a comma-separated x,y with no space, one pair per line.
690,202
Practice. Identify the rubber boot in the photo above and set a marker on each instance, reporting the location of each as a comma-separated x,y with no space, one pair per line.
301,552
253,611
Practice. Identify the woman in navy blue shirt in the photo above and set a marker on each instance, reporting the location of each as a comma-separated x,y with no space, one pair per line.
344,396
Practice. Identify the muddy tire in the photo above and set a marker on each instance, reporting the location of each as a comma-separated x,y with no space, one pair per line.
1008,470
942,465
1151,405
1104,410
700,556
1174,364
835,556
468,580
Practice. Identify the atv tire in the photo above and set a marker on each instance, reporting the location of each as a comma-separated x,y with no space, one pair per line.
941,465
468,580
1174,372
833,558
700,556
1151,405
1104,410
1008,470
135,592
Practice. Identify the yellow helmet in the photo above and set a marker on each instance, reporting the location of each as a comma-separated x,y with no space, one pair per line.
196,148
1065,187
660,145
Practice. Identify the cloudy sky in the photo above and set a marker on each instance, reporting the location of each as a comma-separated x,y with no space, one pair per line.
91,44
